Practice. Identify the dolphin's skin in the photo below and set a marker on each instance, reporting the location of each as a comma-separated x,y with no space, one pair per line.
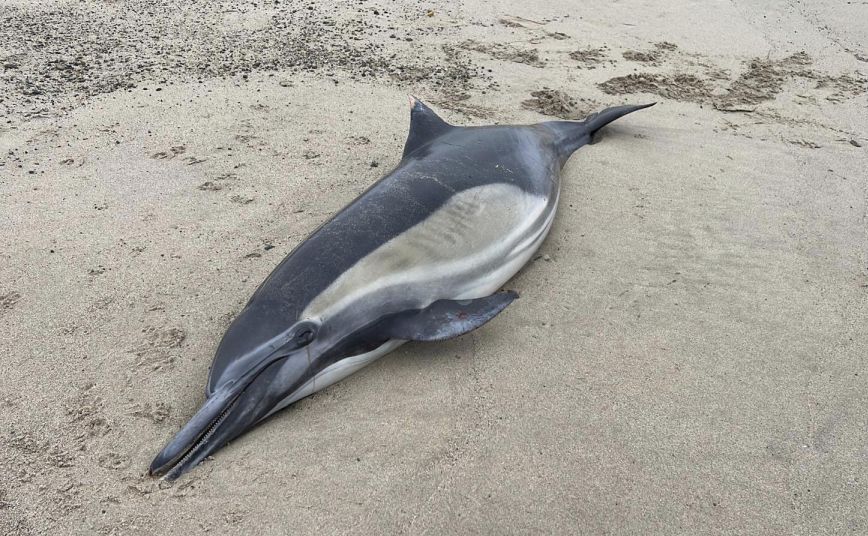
417,256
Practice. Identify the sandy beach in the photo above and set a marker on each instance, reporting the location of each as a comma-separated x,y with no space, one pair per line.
688,355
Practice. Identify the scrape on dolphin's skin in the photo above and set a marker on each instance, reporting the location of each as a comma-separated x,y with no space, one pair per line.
418,256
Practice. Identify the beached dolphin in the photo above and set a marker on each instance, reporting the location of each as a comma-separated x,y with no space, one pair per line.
418,256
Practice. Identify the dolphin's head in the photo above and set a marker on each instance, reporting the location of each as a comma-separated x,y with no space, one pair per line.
258,369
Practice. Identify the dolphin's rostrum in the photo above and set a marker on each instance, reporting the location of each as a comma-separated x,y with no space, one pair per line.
418,256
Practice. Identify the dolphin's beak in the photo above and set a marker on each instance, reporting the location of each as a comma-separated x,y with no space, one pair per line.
201,436
231,410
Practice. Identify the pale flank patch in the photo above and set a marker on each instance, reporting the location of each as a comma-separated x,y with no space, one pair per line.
470,244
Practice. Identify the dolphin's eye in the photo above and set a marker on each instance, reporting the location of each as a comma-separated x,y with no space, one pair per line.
304,336
305,333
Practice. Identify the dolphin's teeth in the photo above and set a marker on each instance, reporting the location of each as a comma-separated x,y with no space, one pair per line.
201,441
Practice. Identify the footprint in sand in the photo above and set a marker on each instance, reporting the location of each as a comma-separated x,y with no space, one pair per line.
156,350
170,154
210,186
113,460
500,51
359,140
559,104
762,80
155,413
591,58
8,301
217,184
85,411
654,56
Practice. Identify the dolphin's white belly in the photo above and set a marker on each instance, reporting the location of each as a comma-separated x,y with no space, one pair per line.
467,249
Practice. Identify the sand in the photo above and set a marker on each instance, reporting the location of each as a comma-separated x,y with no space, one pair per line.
689,352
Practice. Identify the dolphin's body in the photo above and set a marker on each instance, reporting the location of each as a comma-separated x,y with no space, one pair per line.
418,256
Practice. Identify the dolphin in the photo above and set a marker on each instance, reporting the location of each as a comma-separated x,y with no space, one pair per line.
418,256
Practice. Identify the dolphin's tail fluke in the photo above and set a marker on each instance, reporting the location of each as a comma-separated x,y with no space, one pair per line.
570,135
595,122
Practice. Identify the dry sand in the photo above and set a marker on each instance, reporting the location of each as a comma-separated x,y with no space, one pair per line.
689,353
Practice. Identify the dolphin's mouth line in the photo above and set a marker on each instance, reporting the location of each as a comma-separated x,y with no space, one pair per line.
199,443
171,470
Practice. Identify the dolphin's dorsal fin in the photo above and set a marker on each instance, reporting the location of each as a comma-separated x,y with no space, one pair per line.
425,125
446,319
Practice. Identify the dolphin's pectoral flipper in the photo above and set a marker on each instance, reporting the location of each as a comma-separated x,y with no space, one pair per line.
446,319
